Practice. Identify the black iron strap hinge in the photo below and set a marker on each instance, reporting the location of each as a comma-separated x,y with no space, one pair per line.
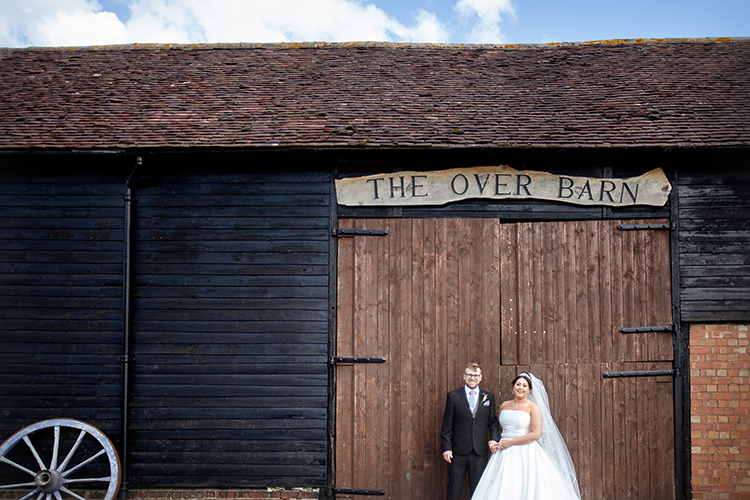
648,329
675,372
359,232
355,491
357,359
643,227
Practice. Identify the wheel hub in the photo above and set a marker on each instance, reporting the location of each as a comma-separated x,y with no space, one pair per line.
48,480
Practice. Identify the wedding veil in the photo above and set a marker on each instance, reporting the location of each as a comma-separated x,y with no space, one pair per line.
552,441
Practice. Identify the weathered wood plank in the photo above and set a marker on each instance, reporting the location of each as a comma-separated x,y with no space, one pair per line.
714,237
508,298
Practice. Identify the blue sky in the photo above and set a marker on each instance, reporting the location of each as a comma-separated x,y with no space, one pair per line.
105,22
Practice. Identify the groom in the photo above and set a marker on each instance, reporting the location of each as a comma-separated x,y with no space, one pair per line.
469,413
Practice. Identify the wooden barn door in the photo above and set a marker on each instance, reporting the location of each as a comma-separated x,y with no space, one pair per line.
433,294
567,289
426,297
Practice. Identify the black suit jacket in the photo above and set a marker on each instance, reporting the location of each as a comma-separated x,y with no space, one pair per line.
463,432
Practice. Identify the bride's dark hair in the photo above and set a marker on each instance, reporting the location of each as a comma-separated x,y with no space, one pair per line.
525,376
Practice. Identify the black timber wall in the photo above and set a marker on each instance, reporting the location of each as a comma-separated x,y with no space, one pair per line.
714,236
230,323
61,234
230,298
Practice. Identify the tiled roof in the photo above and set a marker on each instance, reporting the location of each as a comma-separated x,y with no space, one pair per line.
648,93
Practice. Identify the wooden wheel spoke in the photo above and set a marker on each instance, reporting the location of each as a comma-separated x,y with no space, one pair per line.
87,480
28,442
72,452
85,462
55,448
74,495
31,494
17,486
17,466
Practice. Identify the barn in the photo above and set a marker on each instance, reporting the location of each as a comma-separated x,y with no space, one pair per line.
258,269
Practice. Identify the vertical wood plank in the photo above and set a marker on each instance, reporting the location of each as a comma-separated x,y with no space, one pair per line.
571,324
384,371
452,300
406,337
431,445
582,330
629,294
620,451
596,464
639,292
393,485
525,301
547,289
508,294
619,348
345,375
606,306
465,245
417,349
594,272
557,286
631,435
494,318
608,435
662,286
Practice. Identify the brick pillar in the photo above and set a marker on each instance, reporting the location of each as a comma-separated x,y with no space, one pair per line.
720,411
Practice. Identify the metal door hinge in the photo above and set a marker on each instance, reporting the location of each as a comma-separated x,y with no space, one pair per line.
355,491
357,359
359,232
648,329
675,372
642,227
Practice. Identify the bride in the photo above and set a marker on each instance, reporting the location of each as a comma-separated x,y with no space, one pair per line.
531,461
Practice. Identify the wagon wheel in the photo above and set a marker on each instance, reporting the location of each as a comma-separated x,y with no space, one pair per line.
51,480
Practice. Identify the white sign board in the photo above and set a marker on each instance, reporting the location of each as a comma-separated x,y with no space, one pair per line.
501,182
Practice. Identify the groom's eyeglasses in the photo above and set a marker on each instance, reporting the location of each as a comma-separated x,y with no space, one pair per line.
472,375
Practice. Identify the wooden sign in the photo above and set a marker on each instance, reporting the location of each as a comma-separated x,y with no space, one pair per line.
501,182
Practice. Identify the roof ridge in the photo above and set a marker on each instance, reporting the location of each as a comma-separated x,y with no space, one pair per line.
376,44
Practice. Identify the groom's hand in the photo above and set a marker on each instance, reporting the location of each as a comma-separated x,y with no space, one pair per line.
448,456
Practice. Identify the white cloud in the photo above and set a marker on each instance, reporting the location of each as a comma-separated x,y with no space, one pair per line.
82,22
486,16
50,22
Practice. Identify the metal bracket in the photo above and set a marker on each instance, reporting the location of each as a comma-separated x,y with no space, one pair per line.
675,372
359,232
641,227
354,491
648,329
357,359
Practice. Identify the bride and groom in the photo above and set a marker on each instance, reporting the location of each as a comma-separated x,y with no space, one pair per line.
529,461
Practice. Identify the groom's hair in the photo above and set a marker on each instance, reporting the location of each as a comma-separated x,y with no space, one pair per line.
473,366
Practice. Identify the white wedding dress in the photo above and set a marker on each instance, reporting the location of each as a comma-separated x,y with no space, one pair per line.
522,472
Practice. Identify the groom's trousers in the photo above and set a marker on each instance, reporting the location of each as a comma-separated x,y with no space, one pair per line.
473,464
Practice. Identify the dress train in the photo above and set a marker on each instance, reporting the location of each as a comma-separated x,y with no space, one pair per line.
522,472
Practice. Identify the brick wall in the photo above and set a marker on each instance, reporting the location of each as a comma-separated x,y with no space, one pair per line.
720,411
181,494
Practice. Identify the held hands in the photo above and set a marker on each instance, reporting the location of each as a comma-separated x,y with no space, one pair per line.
499,445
